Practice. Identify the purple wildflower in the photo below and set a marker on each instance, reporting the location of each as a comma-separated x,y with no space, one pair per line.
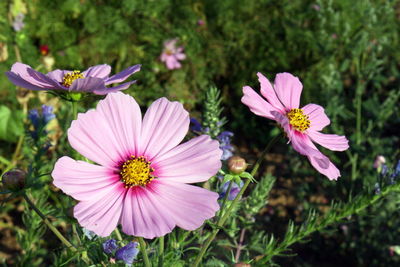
93,80
224,139
40,119
128,253
195,125
235,189
172,54
397,169
110,246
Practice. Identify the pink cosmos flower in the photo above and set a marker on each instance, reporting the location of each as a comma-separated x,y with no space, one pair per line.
142,174
302,125
171,54
93,80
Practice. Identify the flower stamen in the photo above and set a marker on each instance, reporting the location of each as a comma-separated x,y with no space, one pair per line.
136,171
70,77
298,119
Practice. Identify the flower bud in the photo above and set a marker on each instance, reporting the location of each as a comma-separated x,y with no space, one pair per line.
379,161
242,264
237,164
14,179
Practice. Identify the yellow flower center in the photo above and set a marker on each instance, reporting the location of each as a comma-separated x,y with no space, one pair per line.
136,171
298,119
69,78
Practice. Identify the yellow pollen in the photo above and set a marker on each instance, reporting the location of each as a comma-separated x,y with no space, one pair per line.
69,78
298,119
136,171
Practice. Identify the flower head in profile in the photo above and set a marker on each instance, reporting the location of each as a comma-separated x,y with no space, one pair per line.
142,172
172,54
281,102
93,80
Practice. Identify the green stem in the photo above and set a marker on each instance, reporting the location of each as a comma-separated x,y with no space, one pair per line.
118,234
4,160
74,110
161,251
47,222
331,217
226,215
76,234
144,252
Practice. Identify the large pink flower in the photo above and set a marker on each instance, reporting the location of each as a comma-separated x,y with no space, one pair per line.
142,172
302,125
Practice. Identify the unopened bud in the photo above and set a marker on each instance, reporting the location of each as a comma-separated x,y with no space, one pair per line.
379,161
14,179
237,164
242,264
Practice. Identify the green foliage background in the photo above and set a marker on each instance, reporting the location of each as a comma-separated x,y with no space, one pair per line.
345,52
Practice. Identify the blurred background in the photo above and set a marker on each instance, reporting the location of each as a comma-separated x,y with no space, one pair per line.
345,52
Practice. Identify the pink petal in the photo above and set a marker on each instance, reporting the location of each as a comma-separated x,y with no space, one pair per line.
117,88
109,134
98,71
269,93
88,84
123,75
170,44
194,161
288,88
188,205
81,180
101,215
257,104
143,215
172,63
180,56
330,141
165,124
317,117
21,82
57,75
24,76
302,144
123,116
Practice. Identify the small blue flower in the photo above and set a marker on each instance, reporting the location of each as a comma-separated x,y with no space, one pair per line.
195,125
128,253
235,189
34,117
40,119
110,246
397,169
224,139
47,113
384,170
